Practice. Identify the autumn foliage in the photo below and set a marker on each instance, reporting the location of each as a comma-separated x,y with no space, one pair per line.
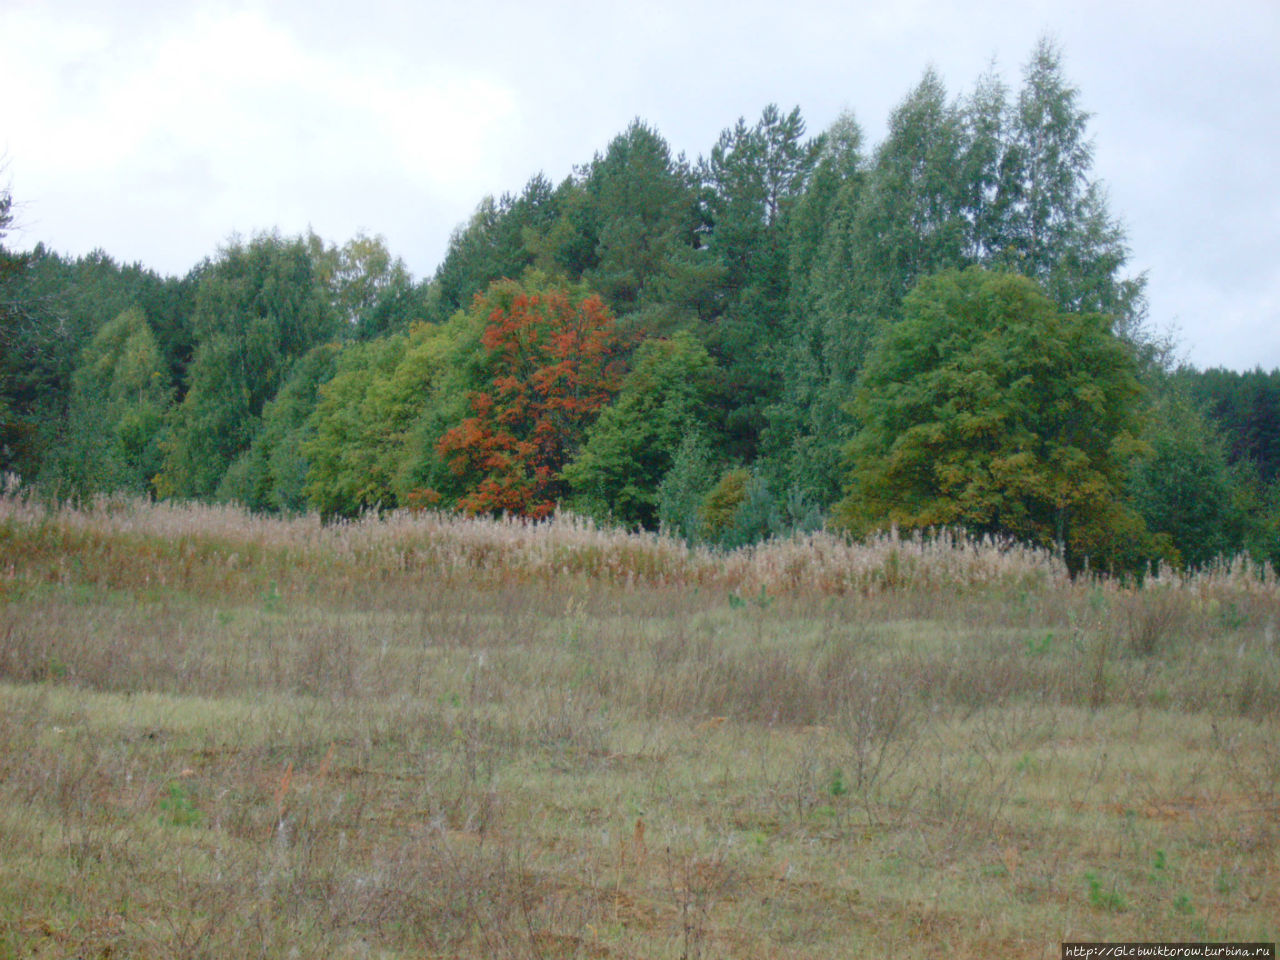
553,364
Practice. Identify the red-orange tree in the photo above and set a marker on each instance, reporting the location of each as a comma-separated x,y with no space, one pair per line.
552,356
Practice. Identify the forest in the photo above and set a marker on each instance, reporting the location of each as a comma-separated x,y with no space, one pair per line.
792,332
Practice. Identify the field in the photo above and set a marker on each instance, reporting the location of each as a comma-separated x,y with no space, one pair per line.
223,736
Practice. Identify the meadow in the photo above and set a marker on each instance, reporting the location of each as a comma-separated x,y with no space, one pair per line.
421,736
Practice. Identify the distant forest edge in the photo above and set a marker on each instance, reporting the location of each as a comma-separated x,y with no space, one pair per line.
789,333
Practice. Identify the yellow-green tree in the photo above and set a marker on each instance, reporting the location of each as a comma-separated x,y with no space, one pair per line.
632,445
987,407
119,396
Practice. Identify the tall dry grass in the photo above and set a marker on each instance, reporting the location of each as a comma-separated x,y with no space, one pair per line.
227,735
566,545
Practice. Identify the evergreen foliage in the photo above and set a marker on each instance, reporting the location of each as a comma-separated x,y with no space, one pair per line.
1245,407
754,177
500,241
1183,487
684,488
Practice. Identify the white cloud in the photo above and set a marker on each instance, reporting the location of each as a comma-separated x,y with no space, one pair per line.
218,118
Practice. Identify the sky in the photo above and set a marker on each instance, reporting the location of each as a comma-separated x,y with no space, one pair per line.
156,130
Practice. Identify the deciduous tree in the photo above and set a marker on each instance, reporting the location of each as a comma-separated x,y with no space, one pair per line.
258,308
551,353
632,445
988,407
119,397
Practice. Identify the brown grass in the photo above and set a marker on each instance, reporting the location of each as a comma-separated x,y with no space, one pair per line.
229,736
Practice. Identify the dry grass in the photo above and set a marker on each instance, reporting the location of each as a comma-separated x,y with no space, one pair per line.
227,736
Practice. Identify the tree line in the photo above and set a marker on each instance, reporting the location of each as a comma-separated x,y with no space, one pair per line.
788,332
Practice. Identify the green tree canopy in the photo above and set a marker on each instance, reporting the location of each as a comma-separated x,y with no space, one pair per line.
824,346
1183,487
371,291
272,473
753,180
14,432
988,407
1057,228
502,239
50,309
1245,410
120,394
258,308
631,447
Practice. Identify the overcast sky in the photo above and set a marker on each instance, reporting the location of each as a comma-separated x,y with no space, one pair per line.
156,130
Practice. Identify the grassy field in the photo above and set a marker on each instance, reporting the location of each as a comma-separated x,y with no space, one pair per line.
232,737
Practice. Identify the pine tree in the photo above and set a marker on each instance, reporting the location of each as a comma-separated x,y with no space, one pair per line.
754,178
